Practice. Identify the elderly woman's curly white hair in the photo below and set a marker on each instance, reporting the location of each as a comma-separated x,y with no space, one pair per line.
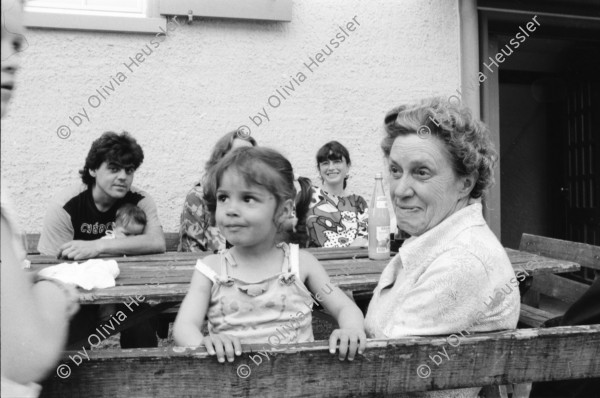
466,138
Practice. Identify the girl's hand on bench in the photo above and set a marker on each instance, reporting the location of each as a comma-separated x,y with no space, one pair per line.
221,345
350,340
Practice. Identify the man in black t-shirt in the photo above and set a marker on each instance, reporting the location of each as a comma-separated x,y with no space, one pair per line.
77,219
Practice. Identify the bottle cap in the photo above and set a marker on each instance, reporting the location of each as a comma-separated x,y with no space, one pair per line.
378,175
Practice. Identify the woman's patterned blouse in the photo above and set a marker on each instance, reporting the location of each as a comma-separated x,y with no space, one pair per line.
195,232
336,221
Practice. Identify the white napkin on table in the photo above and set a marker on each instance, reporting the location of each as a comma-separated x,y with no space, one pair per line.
92,274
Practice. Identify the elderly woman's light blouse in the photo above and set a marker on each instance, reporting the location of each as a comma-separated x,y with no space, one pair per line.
455,277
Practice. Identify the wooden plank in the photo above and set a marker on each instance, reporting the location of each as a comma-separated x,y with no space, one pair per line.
175,292
581,253
181,272
147,273
387,367
533,317
151,294
147,258
558,287
490,112
533,264
536,265
319,253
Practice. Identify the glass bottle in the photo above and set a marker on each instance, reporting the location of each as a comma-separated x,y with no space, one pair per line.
379,223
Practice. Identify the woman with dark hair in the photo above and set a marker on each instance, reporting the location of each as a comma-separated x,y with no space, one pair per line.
195,231
336,219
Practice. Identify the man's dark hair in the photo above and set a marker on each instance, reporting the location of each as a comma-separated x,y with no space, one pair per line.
120,149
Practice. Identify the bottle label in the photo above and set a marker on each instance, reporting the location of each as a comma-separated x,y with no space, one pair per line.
381,202
383,239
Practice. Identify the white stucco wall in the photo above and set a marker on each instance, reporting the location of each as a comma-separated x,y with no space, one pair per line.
208,78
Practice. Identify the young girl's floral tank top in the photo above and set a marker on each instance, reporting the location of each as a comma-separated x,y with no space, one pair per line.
277,310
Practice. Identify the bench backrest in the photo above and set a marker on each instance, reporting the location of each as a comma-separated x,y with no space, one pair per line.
582,253
388,367
559,287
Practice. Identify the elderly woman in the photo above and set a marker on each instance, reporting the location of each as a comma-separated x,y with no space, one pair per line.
452,275
195,231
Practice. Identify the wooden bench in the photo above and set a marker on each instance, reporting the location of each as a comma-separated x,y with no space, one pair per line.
388,367
555,286
588,256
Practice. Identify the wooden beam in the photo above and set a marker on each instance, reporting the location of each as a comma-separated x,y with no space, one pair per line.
469,56
490,114
533,317
532,263
556,286
387,367
320,253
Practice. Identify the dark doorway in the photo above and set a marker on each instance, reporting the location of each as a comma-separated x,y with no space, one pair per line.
548,97
550,147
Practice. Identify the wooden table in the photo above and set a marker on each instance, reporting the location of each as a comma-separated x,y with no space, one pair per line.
164,278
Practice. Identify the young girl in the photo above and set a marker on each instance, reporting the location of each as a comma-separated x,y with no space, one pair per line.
256,292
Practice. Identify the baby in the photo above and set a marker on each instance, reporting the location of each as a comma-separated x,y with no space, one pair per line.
130,221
